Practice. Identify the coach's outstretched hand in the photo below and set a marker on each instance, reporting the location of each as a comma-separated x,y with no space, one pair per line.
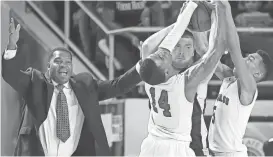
13,35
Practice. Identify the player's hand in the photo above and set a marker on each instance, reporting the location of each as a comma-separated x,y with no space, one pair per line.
13,34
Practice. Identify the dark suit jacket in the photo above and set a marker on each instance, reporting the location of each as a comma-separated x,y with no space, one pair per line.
37,91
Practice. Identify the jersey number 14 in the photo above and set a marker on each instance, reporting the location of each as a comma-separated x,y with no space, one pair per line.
162,102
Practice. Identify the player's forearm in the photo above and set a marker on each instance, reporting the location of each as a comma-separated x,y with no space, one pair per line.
208,65
179,28
233,39
217,46
232,36
217,42
151,44
201,72
247,81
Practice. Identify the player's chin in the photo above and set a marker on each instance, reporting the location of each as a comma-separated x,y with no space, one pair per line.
178,64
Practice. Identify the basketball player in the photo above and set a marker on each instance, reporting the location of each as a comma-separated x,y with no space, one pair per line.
185,44
237,95
172,99
190,41
200,45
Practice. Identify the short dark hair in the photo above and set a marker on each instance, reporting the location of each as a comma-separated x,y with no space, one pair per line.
268,62
150,73
267,148
187,34
59,49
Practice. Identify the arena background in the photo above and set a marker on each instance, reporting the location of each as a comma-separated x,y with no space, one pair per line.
125,118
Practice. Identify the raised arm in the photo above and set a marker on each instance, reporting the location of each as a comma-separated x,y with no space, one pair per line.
246,82
208,63
169,36
201,46
108,17
151,44
179,27
121,85
11,63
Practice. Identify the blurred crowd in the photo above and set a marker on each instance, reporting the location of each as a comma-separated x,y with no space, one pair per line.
94,43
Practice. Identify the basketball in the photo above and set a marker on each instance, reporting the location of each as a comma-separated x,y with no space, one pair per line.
201,18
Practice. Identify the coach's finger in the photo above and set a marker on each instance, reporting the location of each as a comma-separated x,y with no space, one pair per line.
11,26
18,28
140,45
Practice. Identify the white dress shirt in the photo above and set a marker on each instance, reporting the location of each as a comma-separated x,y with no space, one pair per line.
53,146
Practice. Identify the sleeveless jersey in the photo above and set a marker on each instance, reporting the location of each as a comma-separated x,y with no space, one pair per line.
199,129
229,120
171,112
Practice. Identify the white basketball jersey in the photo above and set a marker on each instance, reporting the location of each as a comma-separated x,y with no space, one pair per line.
229,120
171,113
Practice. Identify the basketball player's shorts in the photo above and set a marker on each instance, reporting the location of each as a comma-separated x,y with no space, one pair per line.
229,154
154,146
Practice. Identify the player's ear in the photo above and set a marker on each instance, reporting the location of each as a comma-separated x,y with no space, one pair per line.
257,75
48,65
166,72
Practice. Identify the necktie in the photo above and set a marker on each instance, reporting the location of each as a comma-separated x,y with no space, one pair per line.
62,129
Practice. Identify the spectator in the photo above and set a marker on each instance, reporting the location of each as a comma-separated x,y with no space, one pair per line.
153,14
119,14
49,8
269,8
253,17
173,11
87,30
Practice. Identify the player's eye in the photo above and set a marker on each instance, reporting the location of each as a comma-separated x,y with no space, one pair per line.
57,61
188,46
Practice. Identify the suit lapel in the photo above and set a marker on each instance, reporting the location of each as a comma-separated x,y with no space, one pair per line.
83,96
50,88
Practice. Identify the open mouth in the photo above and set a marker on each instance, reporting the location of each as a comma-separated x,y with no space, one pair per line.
64,73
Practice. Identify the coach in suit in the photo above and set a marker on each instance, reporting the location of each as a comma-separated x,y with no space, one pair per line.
64,108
